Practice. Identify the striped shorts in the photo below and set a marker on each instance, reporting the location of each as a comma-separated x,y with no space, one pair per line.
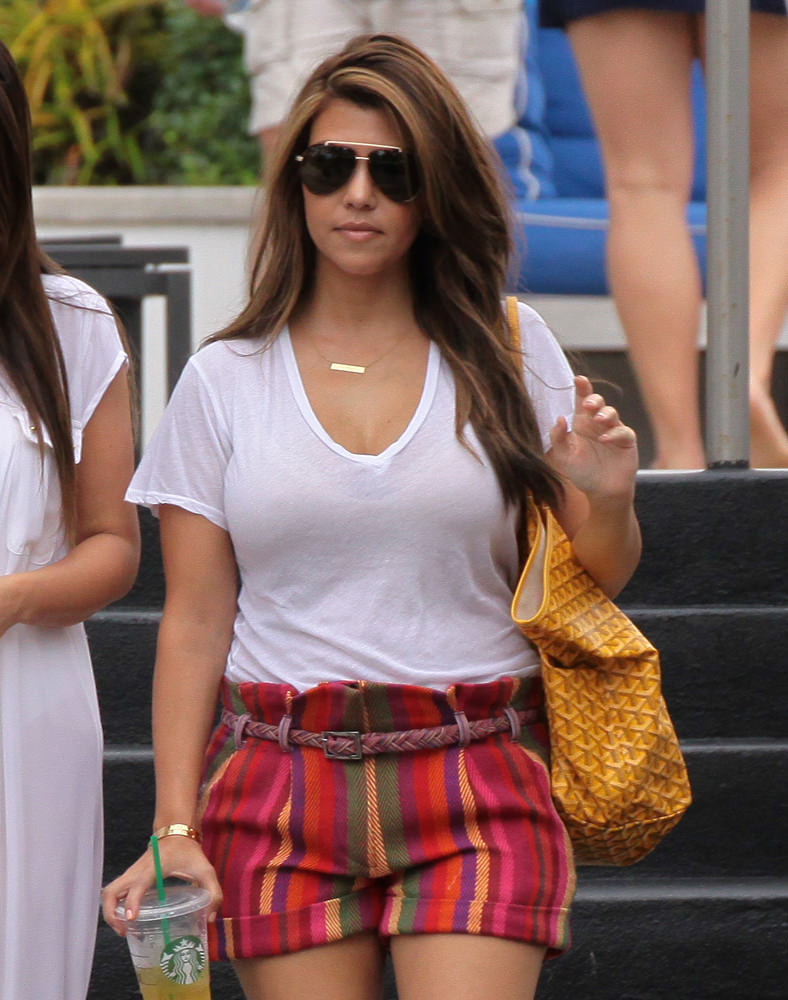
309,850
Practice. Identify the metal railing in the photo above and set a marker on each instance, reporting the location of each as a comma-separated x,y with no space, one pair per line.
727,267
127,275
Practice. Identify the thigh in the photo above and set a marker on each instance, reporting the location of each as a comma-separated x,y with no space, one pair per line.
768,90
351,969
635,67
464,967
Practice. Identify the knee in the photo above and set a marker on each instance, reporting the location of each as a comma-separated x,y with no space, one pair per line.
643,184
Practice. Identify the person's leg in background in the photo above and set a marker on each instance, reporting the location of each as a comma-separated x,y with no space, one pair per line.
635,66
768,229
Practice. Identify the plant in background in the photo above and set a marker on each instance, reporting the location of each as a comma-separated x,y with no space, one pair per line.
77,58
196,133
131,91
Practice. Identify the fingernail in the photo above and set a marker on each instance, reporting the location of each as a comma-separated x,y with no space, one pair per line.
128,914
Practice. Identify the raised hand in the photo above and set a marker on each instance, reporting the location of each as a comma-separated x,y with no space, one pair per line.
599,455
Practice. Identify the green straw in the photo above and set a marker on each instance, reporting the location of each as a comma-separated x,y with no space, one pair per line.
165,924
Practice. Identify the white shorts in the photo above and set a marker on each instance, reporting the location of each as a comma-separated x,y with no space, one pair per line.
475,42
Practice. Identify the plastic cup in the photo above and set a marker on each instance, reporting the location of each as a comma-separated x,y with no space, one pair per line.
168,944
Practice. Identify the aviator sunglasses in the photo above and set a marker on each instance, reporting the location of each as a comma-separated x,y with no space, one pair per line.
328,166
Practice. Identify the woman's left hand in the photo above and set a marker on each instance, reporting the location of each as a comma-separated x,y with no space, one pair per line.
599,455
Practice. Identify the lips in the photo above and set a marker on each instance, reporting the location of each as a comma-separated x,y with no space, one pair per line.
358,227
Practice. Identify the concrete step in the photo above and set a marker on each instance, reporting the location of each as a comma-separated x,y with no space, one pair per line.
684,939
736,826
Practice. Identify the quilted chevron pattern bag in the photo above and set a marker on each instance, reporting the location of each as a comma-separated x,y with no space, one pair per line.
618,776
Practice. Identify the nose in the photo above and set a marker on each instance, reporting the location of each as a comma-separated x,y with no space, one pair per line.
360,189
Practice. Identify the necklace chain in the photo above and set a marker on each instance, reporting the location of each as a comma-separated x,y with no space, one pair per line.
337,366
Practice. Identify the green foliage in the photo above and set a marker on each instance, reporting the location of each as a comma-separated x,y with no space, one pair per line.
131,91
196,133
76,57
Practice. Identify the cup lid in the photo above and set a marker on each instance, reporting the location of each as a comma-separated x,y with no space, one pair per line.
179,900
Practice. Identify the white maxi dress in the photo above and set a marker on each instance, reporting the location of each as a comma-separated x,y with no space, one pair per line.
50,735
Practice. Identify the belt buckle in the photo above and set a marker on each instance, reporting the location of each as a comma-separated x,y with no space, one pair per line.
353,754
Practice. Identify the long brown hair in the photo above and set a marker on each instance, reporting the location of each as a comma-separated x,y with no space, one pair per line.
29,348
459,260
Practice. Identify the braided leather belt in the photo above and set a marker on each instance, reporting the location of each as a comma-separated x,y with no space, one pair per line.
352,745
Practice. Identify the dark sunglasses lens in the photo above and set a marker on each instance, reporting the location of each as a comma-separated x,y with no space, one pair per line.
391,171
326,168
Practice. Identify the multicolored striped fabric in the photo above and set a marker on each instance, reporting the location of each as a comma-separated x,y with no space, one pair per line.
310,850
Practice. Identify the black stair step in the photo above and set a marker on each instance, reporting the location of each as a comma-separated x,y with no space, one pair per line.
736,826
682,940
720,668
129,799
677,941
713,537
123,651
148,590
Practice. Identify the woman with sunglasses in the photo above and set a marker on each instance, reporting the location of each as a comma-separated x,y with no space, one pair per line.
338,478
69,544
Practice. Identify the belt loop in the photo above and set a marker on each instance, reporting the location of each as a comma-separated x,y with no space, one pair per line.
283,733
238,730
514,721
464,729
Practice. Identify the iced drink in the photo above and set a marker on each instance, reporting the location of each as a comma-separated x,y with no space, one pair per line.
168,944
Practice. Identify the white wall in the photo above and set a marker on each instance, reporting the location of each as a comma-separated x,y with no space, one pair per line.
213,223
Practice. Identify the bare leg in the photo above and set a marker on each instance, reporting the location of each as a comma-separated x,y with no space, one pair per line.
350,969
464,967
768,229
635,66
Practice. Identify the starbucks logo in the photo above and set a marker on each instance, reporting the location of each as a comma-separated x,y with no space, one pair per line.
183,960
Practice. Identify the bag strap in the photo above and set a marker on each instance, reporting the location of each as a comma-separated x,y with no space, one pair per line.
513,319
528,515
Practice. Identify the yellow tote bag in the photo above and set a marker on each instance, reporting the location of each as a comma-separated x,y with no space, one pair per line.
618,776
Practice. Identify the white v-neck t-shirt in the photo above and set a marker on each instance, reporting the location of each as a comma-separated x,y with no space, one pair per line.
397,567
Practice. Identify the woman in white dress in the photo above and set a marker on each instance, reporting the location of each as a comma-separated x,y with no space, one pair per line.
68,546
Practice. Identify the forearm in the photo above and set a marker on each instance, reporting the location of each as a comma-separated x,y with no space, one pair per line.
189,665
99,570
608,543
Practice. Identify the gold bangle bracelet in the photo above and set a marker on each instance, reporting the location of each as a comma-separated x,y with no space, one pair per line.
177,830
